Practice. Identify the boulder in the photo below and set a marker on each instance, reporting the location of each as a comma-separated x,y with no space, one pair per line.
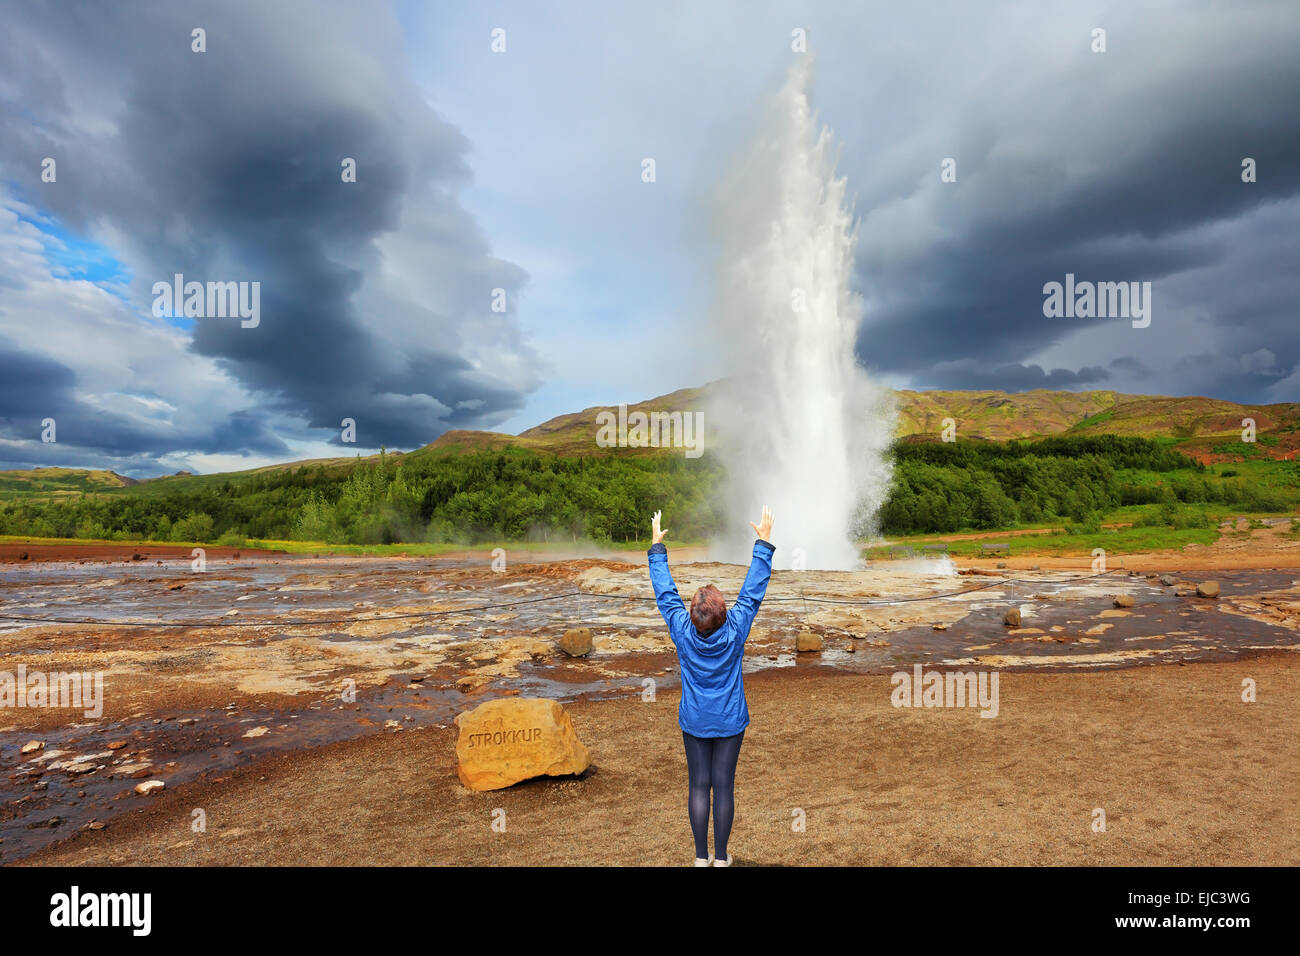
1167,580
1012,617
576,641
505,741
807,640
1123,600
1207,589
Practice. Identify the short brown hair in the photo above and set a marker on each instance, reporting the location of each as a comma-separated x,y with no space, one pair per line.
708,610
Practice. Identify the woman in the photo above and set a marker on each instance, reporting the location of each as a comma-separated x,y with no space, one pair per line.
713,715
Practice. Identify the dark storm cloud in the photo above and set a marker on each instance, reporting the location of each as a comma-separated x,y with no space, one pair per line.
35,388
225,166
1122,166
968,373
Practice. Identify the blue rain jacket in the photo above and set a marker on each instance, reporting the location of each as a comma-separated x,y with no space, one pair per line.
713,694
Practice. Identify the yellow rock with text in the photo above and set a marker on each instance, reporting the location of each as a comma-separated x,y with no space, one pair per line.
503,742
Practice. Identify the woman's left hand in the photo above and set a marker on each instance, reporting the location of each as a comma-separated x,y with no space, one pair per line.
656,536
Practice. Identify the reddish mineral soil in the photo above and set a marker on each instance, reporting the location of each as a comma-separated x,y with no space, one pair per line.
267,665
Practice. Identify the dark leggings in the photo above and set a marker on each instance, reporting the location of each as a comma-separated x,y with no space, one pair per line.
711,764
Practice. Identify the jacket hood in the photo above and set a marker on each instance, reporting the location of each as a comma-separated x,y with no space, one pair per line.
716,643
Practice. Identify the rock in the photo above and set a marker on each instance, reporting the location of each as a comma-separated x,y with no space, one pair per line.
176,587
576,642
1124,600
32,746
137,556
504,741
807,640
96,825
1207,589
941,627
255,732
1001,564
23,557
392,725
851,648
148,787
115,744
1012,617
1167,580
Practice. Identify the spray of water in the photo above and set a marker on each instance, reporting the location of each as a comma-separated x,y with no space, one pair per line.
802,427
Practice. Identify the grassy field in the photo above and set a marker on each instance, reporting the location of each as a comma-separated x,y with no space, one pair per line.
1124,540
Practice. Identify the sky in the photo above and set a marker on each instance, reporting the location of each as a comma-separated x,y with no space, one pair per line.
514,176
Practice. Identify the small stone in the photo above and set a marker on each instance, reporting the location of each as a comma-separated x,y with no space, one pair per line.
1124,600
1167,580
96,825
115,744
32,746
392,725
941,627
255,732
851,648
576,642
1012,617
176,587
1207,589
148,787
807,640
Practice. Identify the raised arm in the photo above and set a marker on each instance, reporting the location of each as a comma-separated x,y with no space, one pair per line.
760,572
661,579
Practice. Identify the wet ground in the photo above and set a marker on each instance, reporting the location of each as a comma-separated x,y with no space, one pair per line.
271,654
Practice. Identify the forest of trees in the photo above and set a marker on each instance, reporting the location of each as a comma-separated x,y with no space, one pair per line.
516,495
469,498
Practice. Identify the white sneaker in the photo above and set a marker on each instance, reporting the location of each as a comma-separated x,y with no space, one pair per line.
719,862
708,862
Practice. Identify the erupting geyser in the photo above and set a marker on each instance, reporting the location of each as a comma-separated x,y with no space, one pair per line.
802,427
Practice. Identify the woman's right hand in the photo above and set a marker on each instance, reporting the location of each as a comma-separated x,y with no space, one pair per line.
764,527
656,536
